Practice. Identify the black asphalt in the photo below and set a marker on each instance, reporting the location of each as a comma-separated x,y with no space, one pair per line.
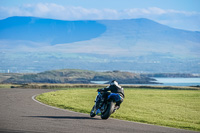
19,113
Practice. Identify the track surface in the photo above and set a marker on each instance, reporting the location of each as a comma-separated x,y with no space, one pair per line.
19,113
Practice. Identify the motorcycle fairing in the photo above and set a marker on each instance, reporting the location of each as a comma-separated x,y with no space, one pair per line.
115,97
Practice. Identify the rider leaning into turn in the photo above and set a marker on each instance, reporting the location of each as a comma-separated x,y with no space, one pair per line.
115,89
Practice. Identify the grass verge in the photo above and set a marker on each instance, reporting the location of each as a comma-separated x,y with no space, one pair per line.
173,108
61,86
7,85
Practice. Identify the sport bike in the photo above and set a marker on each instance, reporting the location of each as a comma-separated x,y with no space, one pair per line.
108,106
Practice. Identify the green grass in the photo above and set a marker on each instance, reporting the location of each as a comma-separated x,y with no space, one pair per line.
173,108
6,85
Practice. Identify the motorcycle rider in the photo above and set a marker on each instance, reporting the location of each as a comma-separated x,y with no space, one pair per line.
115,90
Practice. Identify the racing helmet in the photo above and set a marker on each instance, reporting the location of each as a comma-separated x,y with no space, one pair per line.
114,82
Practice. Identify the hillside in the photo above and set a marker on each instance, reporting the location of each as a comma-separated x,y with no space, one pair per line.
78,76
29,44
48,31
133,37
144,36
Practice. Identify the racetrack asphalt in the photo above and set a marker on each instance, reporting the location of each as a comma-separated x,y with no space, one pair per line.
19,113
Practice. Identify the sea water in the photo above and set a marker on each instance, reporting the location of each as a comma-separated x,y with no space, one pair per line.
178,81
167,82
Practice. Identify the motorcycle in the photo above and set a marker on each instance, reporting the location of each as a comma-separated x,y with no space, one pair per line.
107,108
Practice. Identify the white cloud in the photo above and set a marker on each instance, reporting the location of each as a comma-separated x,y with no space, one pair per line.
174,18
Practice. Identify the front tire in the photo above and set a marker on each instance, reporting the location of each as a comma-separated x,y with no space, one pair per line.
108,111
92,113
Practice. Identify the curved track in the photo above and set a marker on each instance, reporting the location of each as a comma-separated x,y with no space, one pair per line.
19,113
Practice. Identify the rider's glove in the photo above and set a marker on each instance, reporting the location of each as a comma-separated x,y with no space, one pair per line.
99,90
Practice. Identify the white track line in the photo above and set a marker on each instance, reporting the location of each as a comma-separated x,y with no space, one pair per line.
33,97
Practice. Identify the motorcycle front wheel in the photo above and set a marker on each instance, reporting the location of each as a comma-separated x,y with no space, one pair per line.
92,113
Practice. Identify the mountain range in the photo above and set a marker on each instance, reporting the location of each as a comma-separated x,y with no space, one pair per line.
37,44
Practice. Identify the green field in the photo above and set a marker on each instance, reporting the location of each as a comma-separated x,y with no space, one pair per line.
173,108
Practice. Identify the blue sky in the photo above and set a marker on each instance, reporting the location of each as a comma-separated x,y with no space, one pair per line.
182,14
186,5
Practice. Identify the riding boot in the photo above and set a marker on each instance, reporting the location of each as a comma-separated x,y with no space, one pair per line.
117,107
